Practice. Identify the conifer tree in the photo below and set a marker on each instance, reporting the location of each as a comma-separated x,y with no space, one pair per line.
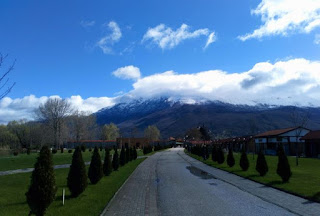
230,158
42,190
135,153
220,156
261,166
244,162
115,160
127,154
122,156
107,165
95,170
214,153
283,169
77,180
131,154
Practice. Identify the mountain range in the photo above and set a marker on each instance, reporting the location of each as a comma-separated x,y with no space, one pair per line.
175,117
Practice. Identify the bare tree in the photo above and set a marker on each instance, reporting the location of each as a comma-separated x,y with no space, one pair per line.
53,113
299,121
152,133
22,132
81,125
110,132
5,86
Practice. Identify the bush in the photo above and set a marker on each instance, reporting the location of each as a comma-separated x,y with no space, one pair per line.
70,151
244,162
77,180
122,157
61,149
95,170
135,153
107,165
127,154
261,166
115,160
90,149
54,151
283,169
83,147
220,155
43,188
230,158
28,151
214,153
101,148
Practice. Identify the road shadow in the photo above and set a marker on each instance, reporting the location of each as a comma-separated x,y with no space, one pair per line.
314,199
200,173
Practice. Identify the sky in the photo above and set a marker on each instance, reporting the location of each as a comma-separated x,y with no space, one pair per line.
93,53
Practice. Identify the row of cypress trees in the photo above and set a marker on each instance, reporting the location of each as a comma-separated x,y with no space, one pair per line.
217,155
42,190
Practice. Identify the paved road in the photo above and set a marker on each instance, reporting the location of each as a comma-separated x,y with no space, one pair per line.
172,183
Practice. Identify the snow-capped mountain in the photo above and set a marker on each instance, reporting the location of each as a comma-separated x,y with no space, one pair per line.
174,116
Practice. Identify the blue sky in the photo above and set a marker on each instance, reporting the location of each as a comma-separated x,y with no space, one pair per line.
56,43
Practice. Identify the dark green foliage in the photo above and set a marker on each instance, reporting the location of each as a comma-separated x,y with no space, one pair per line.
28,151
77,180
54,151
147,149
261,166
230,158
95,170
61,149
214,153
244,162
283,169
204,133
115,160
135,153
15,153
220,155
43,188
90,149
131,154
101,148
107,165
127,154
70,151
83,147
123,156
197,150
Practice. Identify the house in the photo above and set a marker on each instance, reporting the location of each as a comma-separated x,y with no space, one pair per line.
312,144
288,137
131,141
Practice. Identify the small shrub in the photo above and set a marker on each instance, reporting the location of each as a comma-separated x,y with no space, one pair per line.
115,160
122,157
244,162
101,148
70,151
127,152
230,158
107,165
135,153
283,168
77,180
90,149
61,149
220,155
261,166
54,151
15,153
42,190
28,151
83,148
214,153
95,170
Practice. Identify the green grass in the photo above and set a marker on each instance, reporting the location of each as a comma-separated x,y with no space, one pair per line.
22,161
305,179
91,202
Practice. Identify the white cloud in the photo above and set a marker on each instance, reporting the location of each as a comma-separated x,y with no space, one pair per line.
317,39
211,38
106,42
281,17
282,83
127,72
87,24
166,38
23,108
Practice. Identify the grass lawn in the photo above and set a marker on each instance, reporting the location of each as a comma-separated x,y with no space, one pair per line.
91,202
22,161
305,179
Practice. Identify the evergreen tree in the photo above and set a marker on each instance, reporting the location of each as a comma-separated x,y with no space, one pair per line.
230,158
283,169
43,188
261,166
131,154
244,162
135,153
220,155
127,154
95,170
115,160
122,157
214,153
77,180
107,165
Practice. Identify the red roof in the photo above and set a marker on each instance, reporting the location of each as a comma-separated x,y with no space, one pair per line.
312,135
276,132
